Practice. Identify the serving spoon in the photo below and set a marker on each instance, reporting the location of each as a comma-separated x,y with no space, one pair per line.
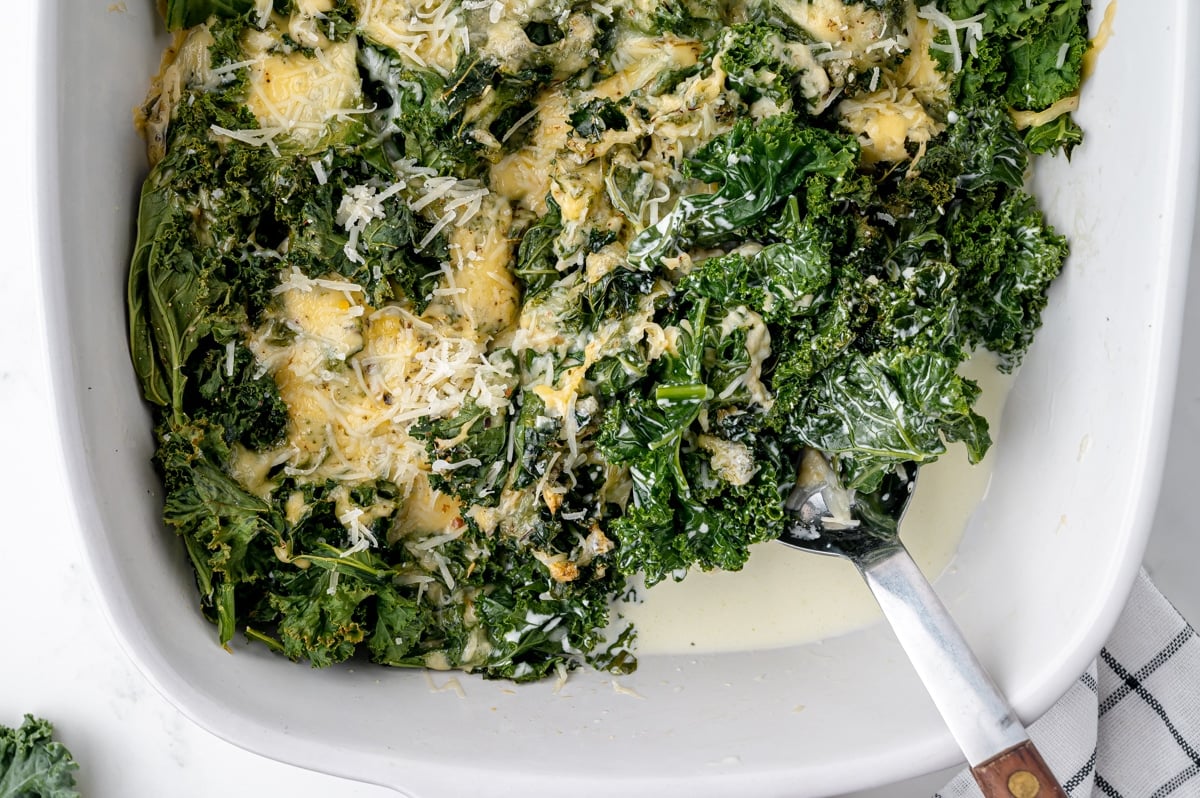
828,519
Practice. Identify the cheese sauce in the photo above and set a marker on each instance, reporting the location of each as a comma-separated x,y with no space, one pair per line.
784,597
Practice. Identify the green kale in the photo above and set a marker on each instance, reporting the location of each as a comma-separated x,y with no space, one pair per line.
423,116
229,534
1062,134
237,398
1007,255
401,623
983,148
180,14
537,262
876,412
781,281
320,618
756,167
174,300
1047,65
681,512
474,436
616,294
628,187
674,523
1032,52
534,622
688,18
753,58
419,112
533,436
33,765
595,116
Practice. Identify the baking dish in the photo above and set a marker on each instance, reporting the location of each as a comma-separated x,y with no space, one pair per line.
1037,583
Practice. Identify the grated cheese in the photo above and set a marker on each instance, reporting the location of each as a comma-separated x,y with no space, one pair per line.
972,28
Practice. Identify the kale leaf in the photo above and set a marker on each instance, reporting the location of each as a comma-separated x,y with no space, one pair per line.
1008,255
537,262
753,57
756,167
594,117
180,14
467,453
33,765
1062,134
890,408
1032,52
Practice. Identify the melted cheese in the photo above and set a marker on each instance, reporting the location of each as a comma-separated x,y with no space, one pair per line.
920,71
849,28
1027,119
886,122
295,95
426,33
732,461
481,253
1100,40
355,380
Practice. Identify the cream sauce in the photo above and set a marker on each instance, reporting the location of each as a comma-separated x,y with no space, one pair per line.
785,597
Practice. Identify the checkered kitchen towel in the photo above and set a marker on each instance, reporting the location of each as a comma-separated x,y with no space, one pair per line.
1130,727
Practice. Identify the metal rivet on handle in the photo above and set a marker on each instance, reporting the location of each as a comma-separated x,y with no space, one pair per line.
1023,784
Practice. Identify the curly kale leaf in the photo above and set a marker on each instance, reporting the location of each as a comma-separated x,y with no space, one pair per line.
467,453
751,56
401,623
982,148
1007,256
756,168
707,522
684,511
591,119
876,412
236,397
422,114
535,623
781,281
537,262
229,534
319,618
533,436
180,14
175,299
1047,64
687,18
33,765
1032,52
1062,134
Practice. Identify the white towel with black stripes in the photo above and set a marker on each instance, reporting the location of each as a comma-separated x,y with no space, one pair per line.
1130,726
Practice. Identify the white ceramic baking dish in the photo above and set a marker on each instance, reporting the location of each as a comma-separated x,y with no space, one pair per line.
1037,583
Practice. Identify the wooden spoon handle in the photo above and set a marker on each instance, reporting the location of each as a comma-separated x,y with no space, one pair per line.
1019,772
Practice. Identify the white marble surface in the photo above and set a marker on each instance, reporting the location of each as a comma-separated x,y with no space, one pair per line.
58,658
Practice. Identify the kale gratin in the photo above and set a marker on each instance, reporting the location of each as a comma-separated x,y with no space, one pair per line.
458,315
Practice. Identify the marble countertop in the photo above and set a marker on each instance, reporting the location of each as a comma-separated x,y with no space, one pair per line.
62,662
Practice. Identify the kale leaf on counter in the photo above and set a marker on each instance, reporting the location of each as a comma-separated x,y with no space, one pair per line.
33,765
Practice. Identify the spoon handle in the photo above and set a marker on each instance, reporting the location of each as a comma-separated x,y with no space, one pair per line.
976,712
1019,772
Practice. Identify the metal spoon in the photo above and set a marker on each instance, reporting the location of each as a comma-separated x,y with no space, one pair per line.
830,520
